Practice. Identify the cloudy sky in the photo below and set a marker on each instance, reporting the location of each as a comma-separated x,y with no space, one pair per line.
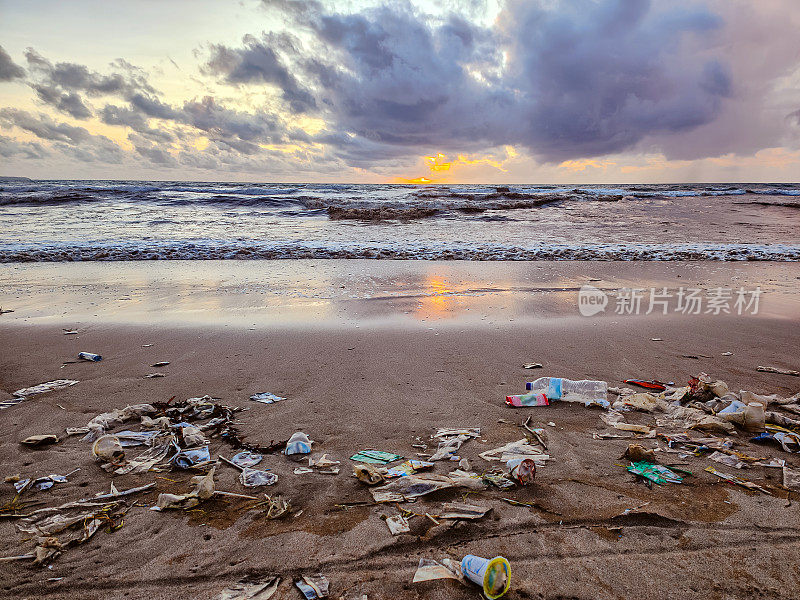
472,90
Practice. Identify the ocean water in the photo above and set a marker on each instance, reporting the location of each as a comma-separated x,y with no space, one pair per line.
148,220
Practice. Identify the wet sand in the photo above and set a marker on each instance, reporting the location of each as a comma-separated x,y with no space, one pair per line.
356,376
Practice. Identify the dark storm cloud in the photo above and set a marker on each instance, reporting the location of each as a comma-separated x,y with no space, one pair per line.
75,77
67,102
9,70
128,117
222,123
61,84
565,79
43,126
597,78
147,149
257,62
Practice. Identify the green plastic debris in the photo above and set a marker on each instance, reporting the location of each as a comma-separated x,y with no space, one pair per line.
655,473
375,457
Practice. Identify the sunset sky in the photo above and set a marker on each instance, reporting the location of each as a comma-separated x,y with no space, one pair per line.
540,91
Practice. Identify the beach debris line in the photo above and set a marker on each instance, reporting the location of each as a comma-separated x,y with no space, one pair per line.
266,398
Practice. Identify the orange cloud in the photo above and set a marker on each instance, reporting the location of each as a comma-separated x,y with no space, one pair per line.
441,164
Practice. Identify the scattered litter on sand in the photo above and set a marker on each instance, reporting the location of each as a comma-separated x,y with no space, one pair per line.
89,356
375,457
256,478
42,388
298,444
655,473
727,459
638,453
266,398
778,371
247,459
40,440
367,474
451,440
461,510
519,449
203,490
533,366
251,590
397,524
429,570
736,480
493,575
791,479
313,586
163,363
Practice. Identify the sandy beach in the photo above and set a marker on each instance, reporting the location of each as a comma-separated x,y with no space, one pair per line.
403,349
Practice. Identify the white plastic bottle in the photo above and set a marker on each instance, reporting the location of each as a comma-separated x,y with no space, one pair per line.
585,391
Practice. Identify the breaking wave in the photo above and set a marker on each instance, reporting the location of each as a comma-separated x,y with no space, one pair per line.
478,252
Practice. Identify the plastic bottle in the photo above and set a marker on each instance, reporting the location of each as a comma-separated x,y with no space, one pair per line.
89,356
557,388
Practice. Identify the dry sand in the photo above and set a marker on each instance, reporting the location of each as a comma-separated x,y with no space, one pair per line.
354,382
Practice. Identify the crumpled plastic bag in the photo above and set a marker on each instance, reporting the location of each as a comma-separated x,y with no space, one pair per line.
428,570
186,459
256,478
98,426
149,458
247,459
252,590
